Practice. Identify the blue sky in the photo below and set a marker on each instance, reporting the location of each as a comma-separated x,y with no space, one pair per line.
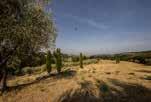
102,26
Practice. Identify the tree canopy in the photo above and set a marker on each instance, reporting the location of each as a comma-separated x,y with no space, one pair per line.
25,28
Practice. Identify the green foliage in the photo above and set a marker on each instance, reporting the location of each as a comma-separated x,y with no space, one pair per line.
36,59
84,57
25,29
85,62
81,60
58,57
148,61
14,66
19,36
117,60
49,61
104,88
75,58
28,70
143,57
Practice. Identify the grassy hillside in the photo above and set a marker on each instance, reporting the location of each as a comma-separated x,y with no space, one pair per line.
104,81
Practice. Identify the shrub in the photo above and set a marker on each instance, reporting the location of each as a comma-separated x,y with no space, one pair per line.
28,70
75,59
117,60
148,61
84,57
139,59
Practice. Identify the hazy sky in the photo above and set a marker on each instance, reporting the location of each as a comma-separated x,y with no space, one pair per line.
102,26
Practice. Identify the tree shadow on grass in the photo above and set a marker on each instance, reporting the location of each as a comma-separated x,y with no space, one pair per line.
129,93
55,76
86,93
64,74
107,93
144,71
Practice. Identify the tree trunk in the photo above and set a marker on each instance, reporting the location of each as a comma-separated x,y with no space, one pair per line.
3,84
1,75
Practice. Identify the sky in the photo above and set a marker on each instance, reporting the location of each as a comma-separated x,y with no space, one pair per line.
102,26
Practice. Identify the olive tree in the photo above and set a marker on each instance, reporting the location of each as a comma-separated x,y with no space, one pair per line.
25,28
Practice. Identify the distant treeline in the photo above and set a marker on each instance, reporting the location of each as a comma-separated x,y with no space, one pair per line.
137,57
38,59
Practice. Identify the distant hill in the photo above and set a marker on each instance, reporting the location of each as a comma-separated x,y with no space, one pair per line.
141,53
143,57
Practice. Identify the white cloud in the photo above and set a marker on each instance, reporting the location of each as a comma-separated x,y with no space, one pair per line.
97,25
90,22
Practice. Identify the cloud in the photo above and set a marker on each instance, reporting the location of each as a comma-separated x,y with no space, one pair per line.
96,25
90,22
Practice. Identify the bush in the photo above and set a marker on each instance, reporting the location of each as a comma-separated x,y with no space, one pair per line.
140,59
75,59
14,67
148,61
28,70
117,60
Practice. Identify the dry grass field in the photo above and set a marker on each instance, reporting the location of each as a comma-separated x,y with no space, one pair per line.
104,81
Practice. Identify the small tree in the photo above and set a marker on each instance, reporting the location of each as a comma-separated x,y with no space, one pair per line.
117,60
49,62
58,57
81,60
